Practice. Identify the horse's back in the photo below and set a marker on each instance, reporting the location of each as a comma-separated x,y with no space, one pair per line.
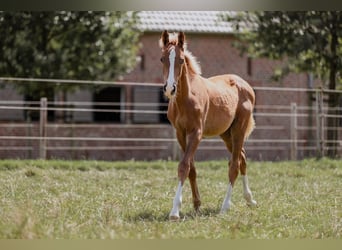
231,81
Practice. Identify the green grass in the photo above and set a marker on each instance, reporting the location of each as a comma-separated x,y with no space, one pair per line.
91,199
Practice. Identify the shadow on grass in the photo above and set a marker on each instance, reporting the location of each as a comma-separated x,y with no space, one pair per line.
152,216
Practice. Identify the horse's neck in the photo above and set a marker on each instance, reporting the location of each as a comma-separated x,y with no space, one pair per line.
184,86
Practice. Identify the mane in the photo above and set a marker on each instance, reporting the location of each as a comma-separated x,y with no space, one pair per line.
191,61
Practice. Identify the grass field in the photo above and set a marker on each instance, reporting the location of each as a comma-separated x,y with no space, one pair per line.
91,199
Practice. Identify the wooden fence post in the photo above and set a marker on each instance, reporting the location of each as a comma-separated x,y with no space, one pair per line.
293,131
42,128
319,124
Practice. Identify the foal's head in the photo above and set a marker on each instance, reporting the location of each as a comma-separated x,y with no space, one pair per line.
173,59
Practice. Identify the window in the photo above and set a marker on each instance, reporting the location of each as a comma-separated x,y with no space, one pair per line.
107,99
340,111
34,102
163,107
249,66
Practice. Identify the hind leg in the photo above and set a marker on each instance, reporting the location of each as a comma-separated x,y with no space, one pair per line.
235,144
226,137
246,190
234,139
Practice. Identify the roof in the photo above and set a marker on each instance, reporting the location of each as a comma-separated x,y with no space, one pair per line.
186,21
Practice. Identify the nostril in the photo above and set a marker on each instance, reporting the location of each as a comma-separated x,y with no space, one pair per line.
173,90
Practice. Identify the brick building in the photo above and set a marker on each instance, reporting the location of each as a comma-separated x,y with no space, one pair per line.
211,42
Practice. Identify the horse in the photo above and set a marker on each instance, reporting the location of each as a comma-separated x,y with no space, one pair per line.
201,107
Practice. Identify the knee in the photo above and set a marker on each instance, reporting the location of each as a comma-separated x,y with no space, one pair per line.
192,173
243,165
233,172
183,170
243,168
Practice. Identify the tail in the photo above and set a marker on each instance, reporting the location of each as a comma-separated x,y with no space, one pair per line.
250,126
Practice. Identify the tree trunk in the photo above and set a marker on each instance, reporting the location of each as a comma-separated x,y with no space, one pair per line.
332,126
61,115
333,99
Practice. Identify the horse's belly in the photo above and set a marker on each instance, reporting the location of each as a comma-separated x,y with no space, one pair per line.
221,113
217,123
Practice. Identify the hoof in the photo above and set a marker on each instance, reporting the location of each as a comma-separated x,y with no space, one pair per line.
197,205
174,218
197,209
252,203
225,209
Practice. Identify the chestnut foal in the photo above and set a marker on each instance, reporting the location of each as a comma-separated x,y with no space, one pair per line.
200,107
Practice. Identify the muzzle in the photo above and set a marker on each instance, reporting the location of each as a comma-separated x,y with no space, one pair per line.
169,91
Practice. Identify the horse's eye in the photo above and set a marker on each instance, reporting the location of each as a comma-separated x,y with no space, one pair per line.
162,59
181,60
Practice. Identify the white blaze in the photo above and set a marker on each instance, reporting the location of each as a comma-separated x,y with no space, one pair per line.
171,78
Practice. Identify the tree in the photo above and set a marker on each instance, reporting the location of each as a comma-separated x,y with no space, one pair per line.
66,45
309,39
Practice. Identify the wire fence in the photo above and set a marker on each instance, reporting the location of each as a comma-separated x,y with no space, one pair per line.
287,130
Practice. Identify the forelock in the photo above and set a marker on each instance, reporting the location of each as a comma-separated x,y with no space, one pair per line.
173,40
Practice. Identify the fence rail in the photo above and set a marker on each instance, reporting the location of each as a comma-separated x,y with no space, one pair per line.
290,123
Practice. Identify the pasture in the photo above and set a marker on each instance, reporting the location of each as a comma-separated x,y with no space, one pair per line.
132,200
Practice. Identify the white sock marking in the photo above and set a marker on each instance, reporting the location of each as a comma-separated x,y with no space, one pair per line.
177,202
247,192
227,203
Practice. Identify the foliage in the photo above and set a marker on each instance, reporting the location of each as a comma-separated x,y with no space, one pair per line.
66,45
309,39
94,199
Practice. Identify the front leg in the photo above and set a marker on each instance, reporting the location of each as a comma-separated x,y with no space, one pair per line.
183,170
194,188
193,140
177,202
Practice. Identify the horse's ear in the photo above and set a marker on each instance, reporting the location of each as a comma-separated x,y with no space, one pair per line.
165,38
181,39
